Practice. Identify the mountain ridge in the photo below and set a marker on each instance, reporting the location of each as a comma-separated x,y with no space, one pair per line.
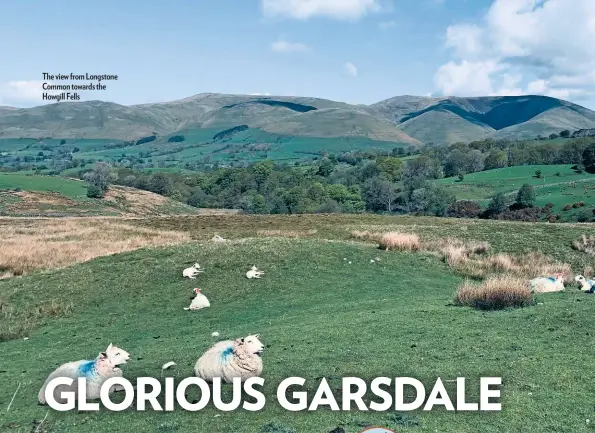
405,119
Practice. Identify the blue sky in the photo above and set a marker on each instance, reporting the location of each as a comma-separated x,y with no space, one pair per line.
358,51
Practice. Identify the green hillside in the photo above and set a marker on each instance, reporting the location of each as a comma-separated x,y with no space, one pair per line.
559,185
36,195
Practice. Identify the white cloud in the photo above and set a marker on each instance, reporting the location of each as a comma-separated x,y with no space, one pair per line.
350,69
282,46
259,94
524,46
346,10
21,92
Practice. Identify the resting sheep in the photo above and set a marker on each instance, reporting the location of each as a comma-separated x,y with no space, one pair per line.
97,371
228,359
192,271
254,273
200,301
218,238
547,285
587,286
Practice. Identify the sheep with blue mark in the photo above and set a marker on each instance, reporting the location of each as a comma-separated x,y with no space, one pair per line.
231,358
96,371
548,284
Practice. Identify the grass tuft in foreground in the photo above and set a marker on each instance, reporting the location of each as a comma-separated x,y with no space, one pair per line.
495,293
586,244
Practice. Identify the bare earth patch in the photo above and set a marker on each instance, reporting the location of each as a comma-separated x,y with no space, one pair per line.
30,244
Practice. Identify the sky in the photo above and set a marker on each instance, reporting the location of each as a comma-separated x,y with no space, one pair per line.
356,51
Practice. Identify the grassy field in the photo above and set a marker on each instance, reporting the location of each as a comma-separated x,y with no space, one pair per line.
559,184
318,315
36,195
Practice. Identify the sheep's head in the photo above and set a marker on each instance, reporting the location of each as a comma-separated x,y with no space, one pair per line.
559,276
579,279
196,266
197,291
252,344
253,268
115,355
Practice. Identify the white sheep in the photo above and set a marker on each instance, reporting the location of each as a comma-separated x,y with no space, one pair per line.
254,273
192,271
97,371
228,359
200,301
548,285
587,286
218,238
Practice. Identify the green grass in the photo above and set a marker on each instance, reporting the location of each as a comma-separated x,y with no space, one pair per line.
551,188
318,317
73,189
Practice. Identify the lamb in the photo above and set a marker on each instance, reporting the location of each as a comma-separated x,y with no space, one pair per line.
254,273
547,285
200,301
192,271
218,238
97,371
587,286
228,359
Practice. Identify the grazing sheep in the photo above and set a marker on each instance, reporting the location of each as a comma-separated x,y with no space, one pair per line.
254,273
200,301
97,371
587,286
192,271
218,238
228,359
547,285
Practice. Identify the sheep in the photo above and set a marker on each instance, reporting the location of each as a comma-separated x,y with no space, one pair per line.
200,301
192,271
547,285
587,286
218,238
228,359
97,371
254,273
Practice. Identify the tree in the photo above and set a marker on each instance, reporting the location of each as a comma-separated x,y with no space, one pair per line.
390,168
326,167
538,174
160,183
496,159
379,194
497,205
98,180
525,197
565,133
474,161
433,200
589,158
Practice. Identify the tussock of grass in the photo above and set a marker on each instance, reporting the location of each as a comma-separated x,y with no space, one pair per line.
45,244
400,241
529,266
495,293
586,244
286,233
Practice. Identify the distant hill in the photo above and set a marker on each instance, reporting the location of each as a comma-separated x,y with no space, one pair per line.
405,120
34,195
452,119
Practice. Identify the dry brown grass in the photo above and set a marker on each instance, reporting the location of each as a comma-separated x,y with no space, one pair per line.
585,244
399,241
286,233
495,293
527,266
26,245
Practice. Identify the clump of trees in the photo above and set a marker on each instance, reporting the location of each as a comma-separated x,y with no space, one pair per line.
98,180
